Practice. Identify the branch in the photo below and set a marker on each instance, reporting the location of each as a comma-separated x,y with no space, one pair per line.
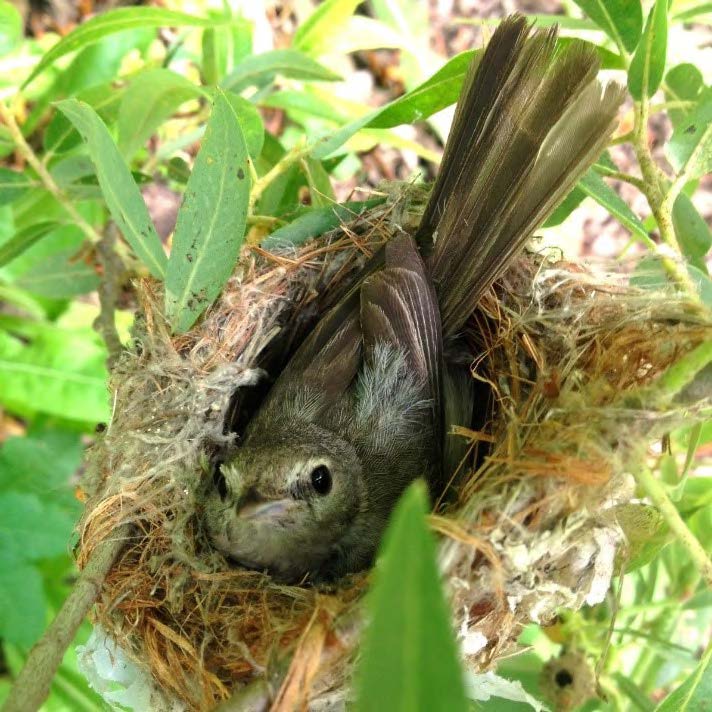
113,269
32,685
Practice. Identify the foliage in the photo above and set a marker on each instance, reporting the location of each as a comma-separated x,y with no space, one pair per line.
89,118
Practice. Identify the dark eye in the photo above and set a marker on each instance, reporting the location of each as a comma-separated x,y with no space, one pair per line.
321,480
219,480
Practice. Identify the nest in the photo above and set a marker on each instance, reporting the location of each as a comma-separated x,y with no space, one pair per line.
532,525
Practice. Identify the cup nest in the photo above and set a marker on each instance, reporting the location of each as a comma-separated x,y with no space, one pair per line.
530,524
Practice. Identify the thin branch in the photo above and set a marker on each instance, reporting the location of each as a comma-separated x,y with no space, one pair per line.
32,685
656,491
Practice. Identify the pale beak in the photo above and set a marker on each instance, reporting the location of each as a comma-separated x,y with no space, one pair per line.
260,510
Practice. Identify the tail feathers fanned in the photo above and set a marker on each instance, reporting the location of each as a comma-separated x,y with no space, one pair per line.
530,121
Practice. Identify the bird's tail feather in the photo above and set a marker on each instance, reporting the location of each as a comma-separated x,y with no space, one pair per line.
531,120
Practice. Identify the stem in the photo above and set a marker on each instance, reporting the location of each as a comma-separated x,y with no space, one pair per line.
656,491
32,685
282,166
678,376
25,150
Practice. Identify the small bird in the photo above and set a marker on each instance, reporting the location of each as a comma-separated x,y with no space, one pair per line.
364,406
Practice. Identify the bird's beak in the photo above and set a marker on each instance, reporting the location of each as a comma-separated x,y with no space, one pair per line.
263,510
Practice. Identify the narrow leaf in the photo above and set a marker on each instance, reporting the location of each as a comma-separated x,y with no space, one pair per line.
621,20
211,221
438,92
648,65
409,659
690,147
23,240
684,82
594,186
115,21
435,94
151,98
692,231
315,222
695,693
261,69
328,18
120,191
253,128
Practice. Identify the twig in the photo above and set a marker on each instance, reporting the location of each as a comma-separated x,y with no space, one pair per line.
32,685
656,491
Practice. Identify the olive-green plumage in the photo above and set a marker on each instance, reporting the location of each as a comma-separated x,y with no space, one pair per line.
365,404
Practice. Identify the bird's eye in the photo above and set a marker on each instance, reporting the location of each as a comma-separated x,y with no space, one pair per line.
321,480
219,480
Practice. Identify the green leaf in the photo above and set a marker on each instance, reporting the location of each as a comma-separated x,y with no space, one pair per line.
10,27
23,608
320,190
12,185
692,231
99,63
646,533
55,371
565,208
409,658
30,529
60,135
433,95
114,21
261,69
695,693
690,147
648,64
253,129
638,698
152,97
211,220
120,191
621,20
59,276
224,47
326,20
23,240
594,186
684,82
315,222
438,92
303,102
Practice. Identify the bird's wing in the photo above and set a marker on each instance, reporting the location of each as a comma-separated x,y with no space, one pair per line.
399,308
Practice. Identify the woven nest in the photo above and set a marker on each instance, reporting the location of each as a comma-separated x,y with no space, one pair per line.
532,526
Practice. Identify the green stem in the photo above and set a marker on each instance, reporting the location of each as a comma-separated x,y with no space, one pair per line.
282,166
656,491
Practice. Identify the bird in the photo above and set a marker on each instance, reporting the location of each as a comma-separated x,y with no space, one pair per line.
365,405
